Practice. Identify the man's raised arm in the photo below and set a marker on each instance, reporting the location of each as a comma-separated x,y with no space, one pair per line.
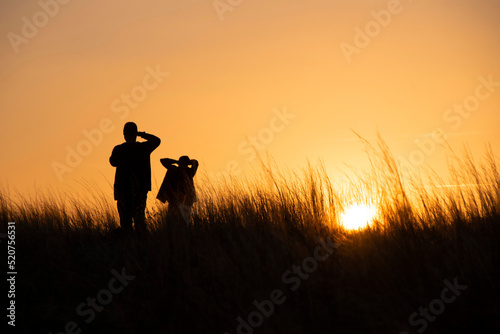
151,140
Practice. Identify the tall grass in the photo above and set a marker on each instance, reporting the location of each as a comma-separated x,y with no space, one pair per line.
246,232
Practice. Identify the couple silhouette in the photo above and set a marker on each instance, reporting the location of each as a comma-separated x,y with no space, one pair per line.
133,179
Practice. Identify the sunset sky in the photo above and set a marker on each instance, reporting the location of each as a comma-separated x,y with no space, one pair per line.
210,77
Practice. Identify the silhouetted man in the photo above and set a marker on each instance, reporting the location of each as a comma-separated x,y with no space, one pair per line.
133,175
178,187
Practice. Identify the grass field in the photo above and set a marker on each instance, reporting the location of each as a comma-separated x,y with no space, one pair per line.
268,254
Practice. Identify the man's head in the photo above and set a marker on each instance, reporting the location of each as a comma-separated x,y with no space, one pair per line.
184,161
130,132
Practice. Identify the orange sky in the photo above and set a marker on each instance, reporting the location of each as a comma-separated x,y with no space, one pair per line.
231,71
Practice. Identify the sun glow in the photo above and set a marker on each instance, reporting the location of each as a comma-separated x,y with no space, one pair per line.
357,216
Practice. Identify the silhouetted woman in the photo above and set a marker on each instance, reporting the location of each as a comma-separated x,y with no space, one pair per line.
177,187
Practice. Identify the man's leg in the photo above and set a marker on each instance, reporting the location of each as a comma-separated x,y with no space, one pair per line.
139,211
124,211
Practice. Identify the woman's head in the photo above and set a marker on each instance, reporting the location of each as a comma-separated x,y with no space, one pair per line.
184,161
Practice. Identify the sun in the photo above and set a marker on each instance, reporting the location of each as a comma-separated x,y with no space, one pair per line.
357,216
